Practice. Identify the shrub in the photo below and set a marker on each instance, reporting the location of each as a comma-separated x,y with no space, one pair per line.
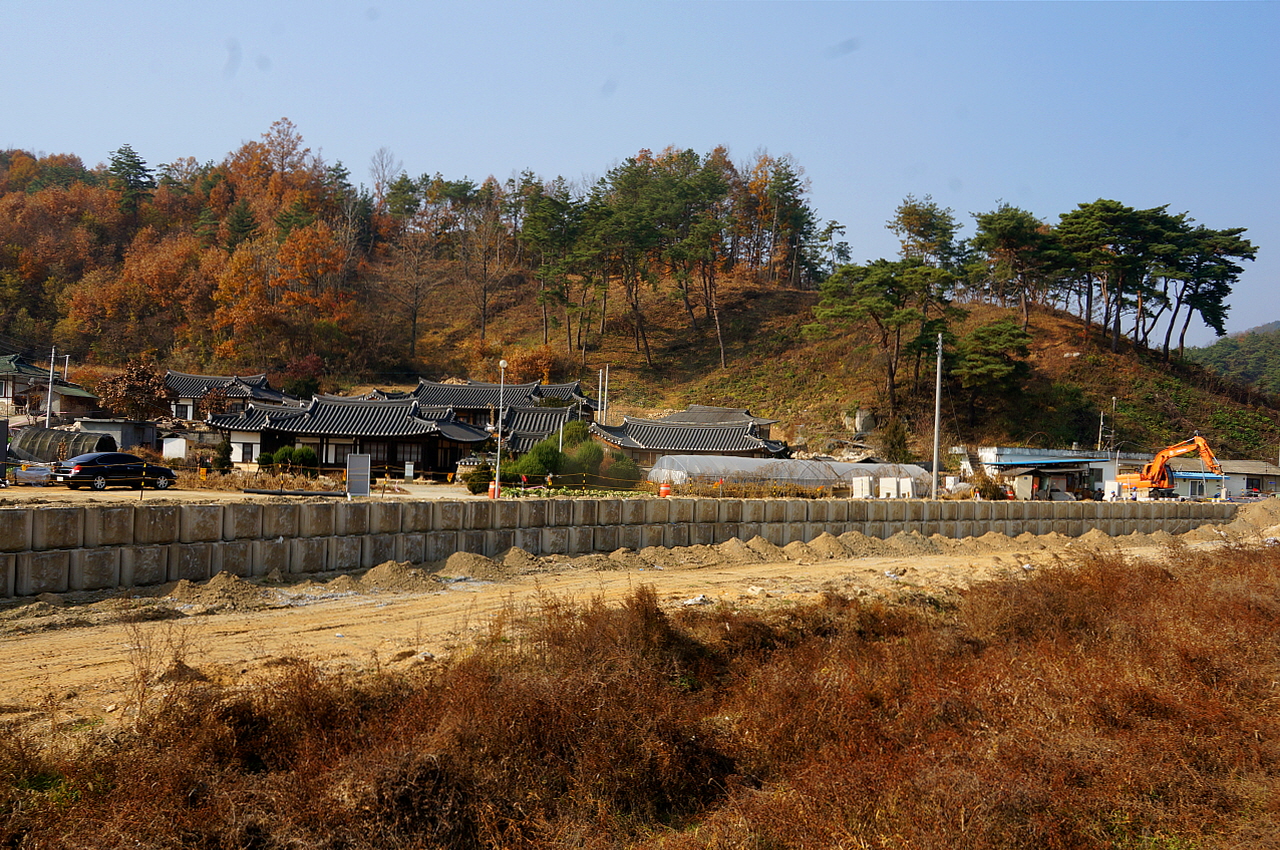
266,462
478,479
575,432
283,458
305,458
222,456
588,456
618,470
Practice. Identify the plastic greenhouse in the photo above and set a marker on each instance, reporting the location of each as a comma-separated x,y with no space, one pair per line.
859,478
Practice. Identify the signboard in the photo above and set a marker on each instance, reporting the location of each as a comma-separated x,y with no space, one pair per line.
408,470
359,468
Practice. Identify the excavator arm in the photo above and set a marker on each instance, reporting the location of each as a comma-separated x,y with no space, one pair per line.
1157,474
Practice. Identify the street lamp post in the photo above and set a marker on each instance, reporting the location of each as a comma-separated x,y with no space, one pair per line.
502,391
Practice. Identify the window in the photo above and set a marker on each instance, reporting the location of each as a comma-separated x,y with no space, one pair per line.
377,452
409,452
182,411
247,452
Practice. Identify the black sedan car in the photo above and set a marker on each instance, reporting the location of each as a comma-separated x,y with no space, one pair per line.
101,470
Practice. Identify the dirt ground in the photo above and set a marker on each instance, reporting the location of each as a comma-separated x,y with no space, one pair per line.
83,660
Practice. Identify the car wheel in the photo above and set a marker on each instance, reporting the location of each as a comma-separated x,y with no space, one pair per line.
99,482
162,483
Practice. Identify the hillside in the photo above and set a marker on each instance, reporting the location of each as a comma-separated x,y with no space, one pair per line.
810,386
1252,357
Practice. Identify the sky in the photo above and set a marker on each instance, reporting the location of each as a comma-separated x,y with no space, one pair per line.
1043,105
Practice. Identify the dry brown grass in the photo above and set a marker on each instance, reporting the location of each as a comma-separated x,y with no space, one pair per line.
1105,704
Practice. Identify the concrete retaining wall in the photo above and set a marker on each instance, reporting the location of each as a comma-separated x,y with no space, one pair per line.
55,549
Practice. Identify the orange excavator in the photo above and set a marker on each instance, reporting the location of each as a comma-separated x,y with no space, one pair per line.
1156,478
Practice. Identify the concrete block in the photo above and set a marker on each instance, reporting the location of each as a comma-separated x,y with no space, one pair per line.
813,530
411,546
15,529
982,512
675,534
560,512
318,519
605,538
878,511
874,529
584,511
837,510
498,540
155,524
629,537
234,557
345,552
857,510
748,530
384,517
105,525
652,535
966,510
895,511
774,532
1075,527
351,518
42,572
271,555
376,549
928,528
8,566
706,510
241,521
966,528
471,540
447,516
94,569
143,565
913,510
309,554
680,510
199,523
529,539
280,519
439,545
57,528
797,510
609,512
582,540
533,513
702,534
754,510
817,510
477,516
633,511
657,511
415,516
555,540
190,561
506,513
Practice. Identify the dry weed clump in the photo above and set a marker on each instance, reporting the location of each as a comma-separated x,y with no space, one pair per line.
1107,703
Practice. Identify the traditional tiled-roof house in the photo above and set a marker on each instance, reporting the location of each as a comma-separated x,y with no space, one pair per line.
646,440
392,431
187,391
702,414
477,403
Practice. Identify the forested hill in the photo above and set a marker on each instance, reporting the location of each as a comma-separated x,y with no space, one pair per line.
1252,357
695,277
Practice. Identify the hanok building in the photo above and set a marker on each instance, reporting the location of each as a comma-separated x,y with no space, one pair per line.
647,440
392,431
478,403
236,392
702,414
24,390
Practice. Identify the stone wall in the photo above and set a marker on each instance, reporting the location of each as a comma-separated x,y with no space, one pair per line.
60,548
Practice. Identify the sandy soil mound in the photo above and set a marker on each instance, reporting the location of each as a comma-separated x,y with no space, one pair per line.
768,551
520,561
735,551
992,541
911,543
860,545
222,592
1257,515
827,545
798,550
627,559
396,576
1095,538
475,566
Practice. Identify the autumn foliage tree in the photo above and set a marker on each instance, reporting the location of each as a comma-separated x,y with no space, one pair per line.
138,392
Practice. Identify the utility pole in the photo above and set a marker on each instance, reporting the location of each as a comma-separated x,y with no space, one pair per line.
48,405
937,421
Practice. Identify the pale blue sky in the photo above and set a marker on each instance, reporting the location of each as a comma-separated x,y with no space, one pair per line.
1042,105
